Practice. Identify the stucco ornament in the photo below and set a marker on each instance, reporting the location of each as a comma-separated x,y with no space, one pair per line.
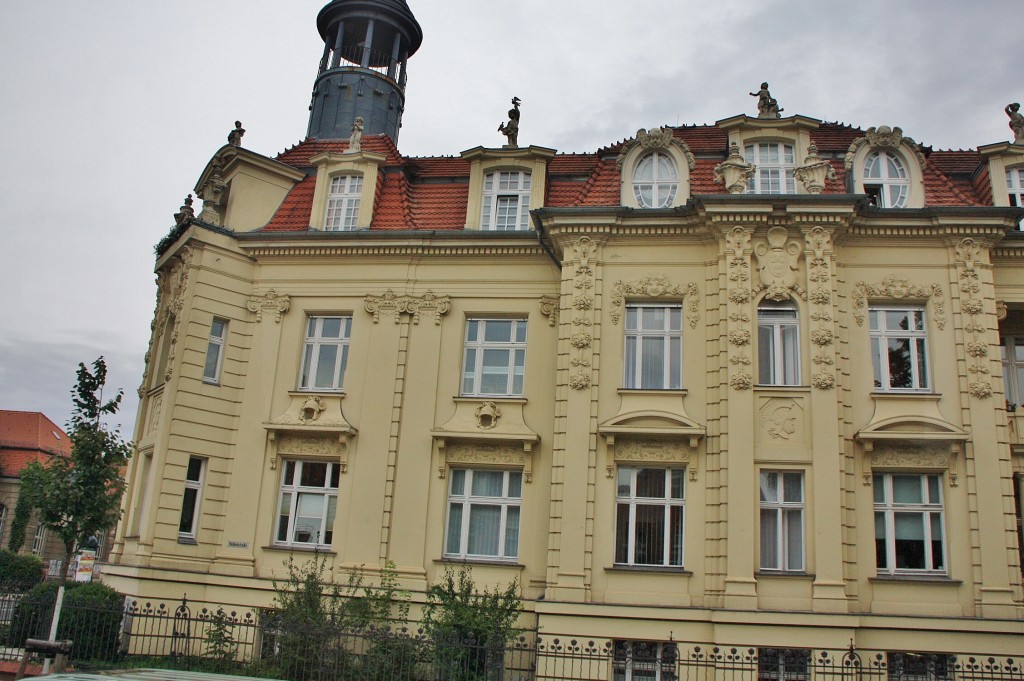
777,264
656,138
269,302
823,381
815,171
549,308
767,106
511,129
355,140
212,192
1016,122
487,415
655,286
580,339
883,137
741,381
395,305
898,288
311,409
734,171
968,254
579,381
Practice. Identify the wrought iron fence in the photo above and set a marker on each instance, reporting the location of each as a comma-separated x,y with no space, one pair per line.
258,642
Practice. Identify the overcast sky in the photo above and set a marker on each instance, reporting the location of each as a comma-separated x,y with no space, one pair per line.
112,108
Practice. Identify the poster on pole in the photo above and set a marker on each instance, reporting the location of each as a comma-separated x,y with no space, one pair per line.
86,563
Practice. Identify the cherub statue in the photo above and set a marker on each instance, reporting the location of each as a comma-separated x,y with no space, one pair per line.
511,129
767,106
1016,122
235,136
355,141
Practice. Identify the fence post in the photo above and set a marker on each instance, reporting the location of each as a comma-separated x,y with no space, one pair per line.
53,624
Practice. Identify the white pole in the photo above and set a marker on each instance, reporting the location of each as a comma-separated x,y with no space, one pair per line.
53,625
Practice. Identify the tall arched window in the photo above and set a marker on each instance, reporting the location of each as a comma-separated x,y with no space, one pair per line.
885,180
655,180
778,344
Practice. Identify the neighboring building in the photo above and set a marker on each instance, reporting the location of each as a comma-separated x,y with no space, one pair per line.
27,436
734,384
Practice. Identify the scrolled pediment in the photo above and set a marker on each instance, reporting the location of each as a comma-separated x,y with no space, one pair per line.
910,429
652,424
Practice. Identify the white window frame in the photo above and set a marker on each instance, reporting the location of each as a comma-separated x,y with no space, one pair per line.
1015,189
783,664
929,510
1013,368
782,518
886,179
773,175
39,539
215,351
778,339
343,199
292,491
463,503
638,660
506,200
477,347
657,173
628,504
669,335
191,498
917,344
317,348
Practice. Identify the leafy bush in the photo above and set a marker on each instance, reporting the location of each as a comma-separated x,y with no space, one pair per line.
19,572
90,616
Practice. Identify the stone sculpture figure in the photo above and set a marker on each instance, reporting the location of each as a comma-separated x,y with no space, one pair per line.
1016,122
767,106
355,140
235,136
185,213
511,129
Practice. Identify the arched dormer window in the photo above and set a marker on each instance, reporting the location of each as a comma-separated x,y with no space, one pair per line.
655,180
343,203
885,180
778,343
506,201
776,168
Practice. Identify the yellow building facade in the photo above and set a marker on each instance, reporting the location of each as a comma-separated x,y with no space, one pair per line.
753,383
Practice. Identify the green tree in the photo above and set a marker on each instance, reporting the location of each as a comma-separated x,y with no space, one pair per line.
80,496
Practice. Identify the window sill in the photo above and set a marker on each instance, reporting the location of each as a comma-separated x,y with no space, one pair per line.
782,388
923,579
496,562
905,394
492,398
303,548
211,381
316,391
655,569
191,541
653,391
791,574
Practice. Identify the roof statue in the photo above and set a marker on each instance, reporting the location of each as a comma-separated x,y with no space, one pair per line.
185,213
1016,122
767,106
235,136
355,140
511,129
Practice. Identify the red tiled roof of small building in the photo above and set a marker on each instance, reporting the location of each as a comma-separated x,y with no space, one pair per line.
27,436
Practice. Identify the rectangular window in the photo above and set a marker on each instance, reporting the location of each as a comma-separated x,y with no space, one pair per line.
326,353
778,345
483,514
495,357
899,354
1018,511
782,521
775,172
1012,352
654,347
919,666
343,203
188,523
506,201
309,500
649,516
909,524
39,539
644,661
215,351
782,664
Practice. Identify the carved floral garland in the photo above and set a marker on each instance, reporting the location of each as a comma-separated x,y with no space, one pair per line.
737,266
819,276
581,339
967,253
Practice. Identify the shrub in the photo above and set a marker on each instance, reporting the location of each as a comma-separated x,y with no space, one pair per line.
18,572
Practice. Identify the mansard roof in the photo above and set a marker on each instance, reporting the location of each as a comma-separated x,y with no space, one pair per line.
431,193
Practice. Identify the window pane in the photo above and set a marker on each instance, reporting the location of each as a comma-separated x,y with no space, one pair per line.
899,363
454,528
195,469
765,354
487,483
792,487
650,534
910,550
313,474
881,552
650,483
282,524
678,482
484,526
325,366
515,485
769,539
458,482
625,482
675,535
498,331
512,532
906,489
794,539
212,358
622,533
188,510
653,363
937,553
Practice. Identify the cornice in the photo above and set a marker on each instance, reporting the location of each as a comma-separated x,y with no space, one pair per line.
397,249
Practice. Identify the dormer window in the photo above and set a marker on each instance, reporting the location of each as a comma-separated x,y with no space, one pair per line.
655,180
775,163
885,180
343,203
1015,184
506,201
